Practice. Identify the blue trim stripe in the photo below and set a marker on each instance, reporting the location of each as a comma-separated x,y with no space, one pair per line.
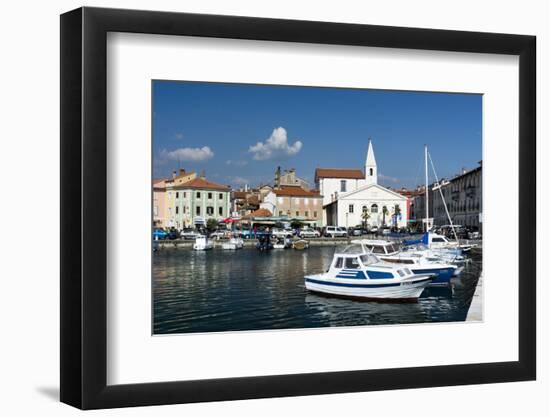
344,284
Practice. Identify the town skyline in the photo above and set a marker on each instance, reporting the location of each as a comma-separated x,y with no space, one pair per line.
202,127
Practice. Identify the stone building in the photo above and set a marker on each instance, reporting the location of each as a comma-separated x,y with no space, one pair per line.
295,202
193,202
289,178
463,196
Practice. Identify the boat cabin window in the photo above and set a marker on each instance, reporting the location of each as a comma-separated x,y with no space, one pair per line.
378,249
339,262
352,263
438,239
368,259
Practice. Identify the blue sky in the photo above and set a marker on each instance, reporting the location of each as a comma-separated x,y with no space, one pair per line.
240,133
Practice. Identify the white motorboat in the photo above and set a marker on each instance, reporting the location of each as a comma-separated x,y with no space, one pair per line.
300,244
233,243
282,243
356,274
202,243
418,262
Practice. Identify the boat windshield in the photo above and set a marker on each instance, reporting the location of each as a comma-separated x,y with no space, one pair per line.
369,259
351,249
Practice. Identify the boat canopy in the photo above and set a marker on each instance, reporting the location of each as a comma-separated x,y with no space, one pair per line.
425,240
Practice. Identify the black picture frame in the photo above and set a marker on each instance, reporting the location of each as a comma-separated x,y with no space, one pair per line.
84,207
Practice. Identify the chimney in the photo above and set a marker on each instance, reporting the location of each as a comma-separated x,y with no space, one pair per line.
173,174
182,171
203,174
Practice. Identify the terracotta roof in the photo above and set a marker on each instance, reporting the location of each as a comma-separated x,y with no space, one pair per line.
203,184
339,173
293,191
239,194
262,212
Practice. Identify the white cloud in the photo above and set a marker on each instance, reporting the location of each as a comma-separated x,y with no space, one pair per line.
238,180
276,145
388,178
188,154
237,163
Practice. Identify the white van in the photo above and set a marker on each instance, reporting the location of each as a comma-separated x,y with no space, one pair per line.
334,231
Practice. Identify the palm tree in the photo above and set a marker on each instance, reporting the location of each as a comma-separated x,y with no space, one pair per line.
384,213
396,212
365,216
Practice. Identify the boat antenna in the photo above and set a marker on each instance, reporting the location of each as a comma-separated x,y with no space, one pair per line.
443,199
426,186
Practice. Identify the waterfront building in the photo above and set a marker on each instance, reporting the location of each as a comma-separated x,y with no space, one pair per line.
295,202
289,178
348,193
159,203
193,202
463,196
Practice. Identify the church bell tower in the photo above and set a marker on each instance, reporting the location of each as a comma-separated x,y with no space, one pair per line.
371,171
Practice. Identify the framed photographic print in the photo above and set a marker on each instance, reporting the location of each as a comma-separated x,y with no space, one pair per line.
257,208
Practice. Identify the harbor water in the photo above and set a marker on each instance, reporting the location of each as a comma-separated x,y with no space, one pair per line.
217,290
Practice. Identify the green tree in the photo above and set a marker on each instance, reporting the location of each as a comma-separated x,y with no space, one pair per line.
385,212
365,216
396,212
295,224
211,224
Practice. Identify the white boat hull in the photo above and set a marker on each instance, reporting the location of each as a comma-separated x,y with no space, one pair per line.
409,289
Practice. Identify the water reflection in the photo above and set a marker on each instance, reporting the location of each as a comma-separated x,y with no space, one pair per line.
248,290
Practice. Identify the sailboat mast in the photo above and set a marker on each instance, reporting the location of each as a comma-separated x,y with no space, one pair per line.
426,187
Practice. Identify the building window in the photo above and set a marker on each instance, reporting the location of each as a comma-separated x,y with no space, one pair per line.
350,208
220,196
365,208
177,209
209,211
210,196
306,213
184,209
220,211
184,194
198,194
297,213
198,210
342,186
374,208
371,171
314,214
177,195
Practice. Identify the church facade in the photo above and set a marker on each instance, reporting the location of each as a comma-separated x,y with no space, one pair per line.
352,197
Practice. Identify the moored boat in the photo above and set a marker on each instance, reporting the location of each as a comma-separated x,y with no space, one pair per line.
300,244
233,243
418,262
202,243
282,243
357,274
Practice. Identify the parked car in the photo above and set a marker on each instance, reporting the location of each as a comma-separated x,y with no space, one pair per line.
373,229
173,234
219,234
160,234
309,233
282,232
189,234
335,231
355,231
384,231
